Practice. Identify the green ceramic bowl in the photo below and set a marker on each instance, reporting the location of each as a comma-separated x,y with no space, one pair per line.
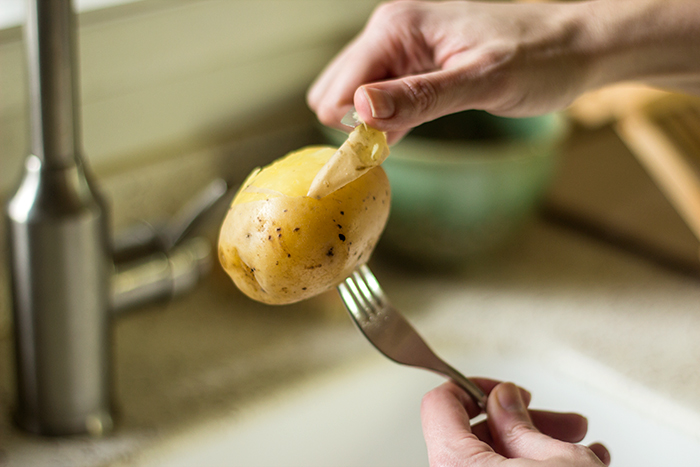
463,185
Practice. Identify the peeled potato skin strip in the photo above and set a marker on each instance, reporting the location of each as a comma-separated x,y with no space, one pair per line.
364,149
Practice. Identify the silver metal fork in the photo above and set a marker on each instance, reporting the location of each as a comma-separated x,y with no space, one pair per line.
391,333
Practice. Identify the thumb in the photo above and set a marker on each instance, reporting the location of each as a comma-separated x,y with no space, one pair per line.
401,104
511,427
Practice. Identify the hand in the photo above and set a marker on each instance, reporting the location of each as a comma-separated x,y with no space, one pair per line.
512,435
417,61
425,60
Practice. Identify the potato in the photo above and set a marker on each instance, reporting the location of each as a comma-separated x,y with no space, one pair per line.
280,245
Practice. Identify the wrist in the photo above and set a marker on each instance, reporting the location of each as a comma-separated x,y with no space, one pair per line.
653,41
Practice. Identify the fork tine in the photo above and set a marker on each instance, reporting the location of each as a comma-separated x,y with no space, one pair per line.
372,284
372,302
365,310
350,300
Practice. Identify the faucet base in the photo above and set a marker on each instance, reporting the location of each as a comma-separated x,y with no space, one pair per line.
60,263
97,425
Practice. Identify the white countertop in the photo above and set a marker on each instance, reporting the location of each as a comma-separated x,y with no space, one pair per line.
213,352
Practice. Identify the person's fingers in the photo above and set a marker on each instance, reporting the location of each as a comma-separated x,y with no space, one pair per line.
403,103
446,429
444,409
391,45
515,435
564,427
508,431
331,96
601,452
512,429
324,80
481,430
569,427
486,385
387,47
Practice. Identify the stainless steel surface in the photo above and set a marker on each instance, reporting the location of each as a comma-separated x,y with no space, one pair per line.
144,239
53,82
59,249
391,333
187,218
160,276
64,284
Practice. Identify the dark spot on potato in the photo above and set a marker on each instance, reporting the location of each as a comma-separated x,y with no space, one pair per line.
269,237
278,229
341,237
340,226
303,288
296,229
342,213
284,210
289,255
279,235
329,252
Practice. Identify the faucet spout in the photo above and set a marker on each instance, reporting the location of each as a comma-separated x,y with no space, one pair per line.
60,254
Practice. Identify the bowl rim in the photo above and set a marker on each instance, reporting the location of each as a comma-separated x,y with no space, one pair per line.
412,149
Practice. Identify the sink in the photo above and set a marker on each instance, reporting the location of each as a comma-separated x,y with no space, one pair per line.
368,415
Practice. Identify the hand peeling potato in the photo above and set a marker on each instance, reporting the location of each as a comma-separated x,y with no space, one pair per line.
282,242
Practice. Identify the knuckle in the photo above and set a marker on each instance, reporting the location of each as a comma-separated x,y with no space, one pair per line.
518,431
396,14
579,453
391,9
495,72
422,94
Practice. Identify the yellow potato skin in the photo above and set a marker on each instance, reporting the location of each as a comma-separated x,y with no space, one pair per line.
279,248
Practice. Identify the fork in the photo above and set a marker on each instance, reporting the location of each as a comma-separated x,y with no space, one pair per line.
391,333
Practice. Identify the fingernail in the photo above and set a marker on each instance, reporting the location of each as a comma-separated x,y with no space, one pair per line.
509,398
381,102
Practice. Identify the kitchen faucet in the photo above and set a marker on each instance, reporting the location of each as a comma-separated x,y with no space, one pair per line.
66,287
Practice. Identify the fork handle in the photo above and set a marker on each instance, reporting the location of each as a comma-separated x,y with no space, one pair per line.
468,385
